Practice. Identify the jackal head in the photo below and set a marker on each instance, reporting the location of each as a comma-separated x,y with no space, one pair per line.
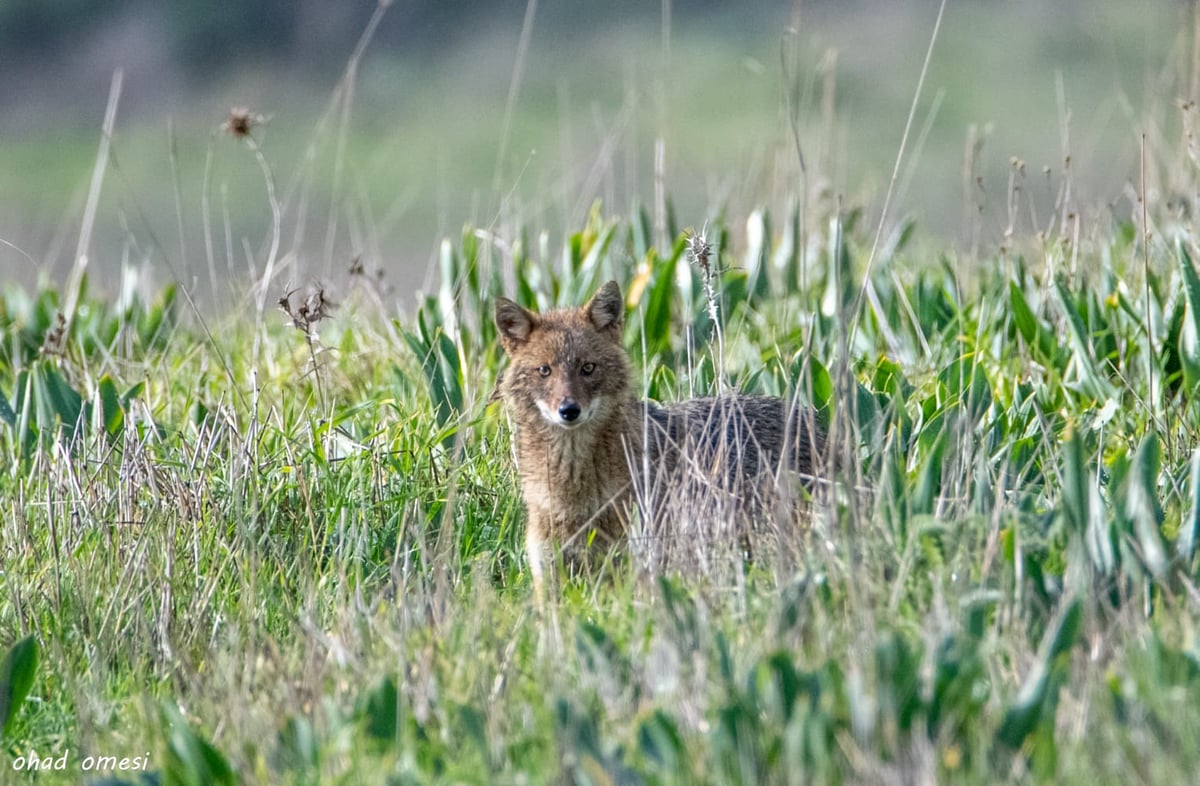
567,365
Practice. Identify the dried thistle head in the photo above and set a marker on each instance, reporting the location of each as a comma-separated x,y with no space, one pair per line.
241,121
55,340
307,311
700,250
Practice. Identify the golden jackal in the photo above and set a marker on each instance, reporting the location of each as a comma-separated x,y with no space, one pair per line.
588,450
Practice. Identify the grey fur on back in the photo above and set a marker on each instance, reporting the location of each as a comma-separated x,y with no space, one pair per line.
717,473
733,436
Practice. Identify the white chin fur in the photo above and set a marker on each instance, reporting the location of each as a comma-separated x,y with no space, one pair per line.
551,415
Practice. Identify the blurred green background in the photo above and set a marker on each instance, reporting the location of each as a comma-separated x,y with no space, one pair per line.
424,143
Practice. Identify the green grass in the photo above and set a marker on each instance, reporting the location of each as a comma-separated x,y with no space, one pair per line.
236,561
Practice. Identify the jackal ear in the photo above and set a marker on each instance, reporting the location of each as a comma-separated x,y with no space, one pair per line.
606,309
515,323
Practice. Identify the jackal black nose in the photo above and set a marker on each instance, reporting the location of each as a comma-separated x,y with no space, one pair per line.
569,411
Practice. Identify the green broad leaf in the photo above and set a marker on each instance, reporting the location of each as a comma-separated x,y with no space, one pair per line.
822,386
898,240
681,613
112,415
965,382
450,266
598,652
1142,507
1065,634
191,759
1082,506
758,254
893,499
959,681
897,671
55,399
591,262
660,741
734,291
656,318
889,378
724,659
578,728
929,480
758,239
198,413
866,409
840,289
441,366
1022,717
572,256
17,673
1093,383
1171,364
673,220
776,686
787,254
450,371
27,421
6,411
642,230
1189,530
1189,334
469,253
526,293
737,741
152,321
133,392
473,722
1098,535
1035,705
297,747
1037,335
1075,483
380,713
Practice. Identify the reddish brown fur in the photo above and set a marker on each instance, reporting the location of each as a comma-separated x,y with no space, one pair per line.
578,429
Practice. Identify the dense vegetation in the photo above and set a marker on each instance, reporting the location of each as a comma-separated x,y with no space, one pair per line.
287,549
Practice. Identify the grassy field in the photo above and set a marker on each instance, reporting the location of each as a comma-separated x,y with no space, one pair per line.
283,543
257,552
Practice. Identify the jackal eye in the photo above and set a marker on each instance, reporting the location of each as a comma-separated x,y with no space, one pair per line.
544,371
587,368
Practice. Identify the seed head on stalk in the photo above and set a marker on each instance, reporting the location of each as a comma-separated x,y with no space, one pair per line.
241,122
700,251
